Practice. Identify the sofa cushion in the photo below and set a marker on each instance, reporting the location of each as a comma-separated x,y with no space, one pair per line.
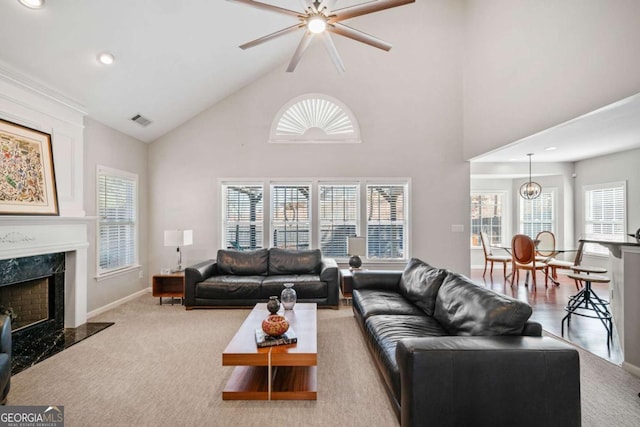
307,286
230,287
285,261
420,284
370,302
243,263
464,308
384,332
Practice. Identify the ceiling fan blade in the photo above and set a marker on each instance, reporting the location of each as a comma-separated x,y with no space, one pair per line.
304,44
269,7
365,8
271,36
360,36
333,52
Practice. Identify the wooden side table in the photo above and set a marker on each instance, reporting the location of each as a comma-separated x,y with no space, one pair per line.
346,283
168,286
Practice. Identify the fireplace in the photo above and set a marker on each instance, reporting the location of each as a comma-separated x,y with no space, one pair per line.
32,290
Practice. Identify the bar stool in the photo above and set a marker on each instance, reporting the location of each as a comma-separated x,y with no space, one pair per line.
586,303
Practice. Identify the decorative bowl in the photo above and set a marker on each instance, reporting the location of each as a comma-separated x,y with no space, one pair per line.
275,325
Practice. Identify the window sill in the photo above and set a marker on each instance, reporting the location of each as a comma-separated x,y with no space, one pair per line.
111,274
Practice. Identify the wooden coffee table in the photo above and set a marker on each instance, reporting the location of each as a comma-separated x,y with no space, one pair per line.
283,372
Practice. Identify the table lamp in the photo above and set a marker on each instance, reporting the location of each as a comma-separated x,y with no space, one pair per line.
178,238
356,246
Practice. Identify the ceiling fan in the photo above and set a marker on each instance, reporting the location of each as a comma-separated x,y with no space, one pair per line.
320,18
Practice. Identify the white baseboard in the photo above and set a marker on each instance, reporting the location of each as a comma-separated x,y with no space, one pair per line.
114,304
632,369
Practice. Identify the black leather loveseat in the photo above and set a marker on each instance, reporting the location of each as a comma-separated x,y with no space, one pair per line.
452,353
244,278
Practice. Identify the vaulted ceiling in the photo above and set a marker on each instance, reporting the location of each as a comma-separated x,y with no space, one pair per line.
173,58
176,58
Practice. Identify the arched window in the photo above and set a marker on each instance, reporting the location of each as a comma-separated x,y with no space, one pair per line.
315,118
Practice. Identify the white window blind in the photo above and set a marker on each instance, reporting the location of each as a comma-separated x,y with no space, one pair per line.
243,216
538,214
605,211
291,216
117,212
487,216
338,217
386,228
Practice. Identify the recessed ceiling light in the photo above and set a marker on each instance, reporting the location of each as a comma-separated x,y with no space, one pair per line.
551,148
32,4
105,58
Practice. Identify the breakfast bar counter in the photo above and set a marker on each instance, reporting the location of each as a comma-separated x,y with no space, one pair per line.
624,294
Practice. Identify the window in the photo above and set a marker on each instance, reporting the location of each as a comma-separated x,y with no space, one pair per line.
605,211
486,215
538,214
338,217
291,216
386,213
117,224
315,117
243,219
265,213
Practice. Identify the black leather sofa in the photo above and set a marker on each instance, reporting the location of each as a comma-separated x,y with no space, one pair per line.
5,357
244,278
452,353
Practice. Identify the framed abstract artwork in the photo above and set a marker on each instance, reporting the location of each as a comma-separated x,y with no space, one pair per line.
27,177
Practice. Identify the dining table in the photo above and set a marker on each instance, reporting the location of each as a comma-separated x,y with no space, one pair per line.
552,254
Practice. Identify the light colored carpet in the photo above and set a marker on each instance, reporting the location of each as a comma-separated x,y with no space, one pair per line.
161,366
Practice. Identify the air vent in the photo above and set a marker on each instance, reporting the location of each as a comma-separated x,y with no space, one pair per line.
141,120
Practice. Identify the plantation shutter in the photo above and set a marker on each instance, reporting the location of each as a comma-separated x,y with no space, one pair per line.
338,217
386,228
117,211
291,216
243,216
605,212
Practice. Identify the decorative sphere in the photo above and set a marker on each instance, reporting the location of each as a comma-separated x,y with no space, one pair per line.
355,261
275,325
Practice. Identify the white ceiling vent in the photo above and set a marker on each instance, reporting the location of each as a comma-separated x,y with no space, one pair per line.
141,120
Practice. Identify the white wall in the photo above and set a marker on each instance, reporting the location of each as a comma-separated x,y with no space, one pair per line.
408,103
605,169
532,64
107,147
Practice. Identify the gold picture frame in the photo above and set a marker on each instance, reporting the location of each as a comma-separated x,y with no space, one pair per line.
27,177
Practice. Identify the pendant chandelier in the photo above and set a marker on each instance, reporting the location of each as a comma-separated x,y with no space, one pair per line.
530,190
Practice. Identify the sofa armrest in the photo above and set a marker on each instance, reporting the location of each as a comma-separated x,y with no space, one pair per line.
5,334
329,273
532,329
377,279
498,380
195,274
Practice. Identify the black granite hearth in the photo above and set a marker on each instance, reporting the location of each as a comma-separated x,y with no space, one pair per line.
43,347
36,339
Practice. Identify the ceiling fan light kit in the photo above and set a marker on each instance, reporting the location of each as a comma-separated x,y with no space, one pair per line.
321,18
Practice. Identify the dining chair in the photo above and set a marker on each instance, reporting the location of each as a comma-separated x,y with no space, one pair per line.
523,252
489,257
545,246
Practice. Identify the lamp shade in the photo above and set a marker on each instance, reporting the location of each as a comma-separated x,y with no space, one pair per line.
178,237
356,246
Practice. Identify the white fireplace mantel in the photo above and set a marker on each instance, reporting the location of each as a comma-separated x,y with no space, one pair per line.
29,236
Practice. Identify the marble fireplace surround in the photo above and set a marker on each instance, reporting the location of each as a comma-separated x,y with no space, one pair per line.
29,236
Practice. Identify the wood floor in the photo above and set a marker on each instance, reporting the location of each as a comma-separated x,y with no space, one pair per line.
548,309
